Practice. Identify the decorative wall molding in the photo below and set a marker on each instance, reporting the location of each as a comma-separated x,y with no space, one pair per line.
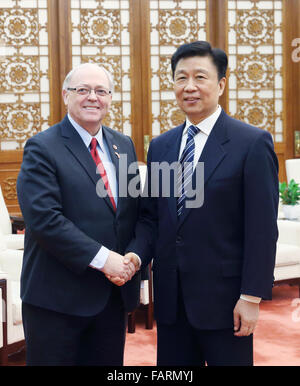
173,22
24,78
101,34
255,45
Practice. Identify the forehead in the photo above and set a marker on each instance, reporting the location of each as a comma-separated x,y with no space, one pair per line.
196,63
90,75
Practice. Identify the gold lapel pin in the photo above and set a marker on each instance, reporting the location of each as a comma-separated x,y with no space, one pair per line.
115,147
117,154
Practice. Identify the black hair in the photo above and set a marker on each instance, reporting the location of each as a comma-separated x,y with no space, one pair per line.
201,48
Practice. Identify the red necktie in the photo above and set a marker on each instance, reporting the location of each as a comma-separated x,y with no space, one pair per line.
98,162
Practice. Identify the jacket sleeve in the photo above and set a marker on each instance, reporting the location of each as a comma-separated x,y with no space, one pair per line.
146,228
40,200
261,198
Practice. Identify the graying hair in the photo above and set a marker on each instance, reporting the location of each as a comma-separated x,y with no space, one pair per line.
71,73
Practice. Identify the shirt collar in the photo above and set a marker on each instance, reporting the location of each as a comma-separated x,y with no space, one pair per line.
85,135
207,124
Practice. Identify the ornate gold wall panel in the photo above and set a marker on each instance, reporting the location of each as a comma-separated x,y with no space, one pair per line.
255,45
10,162
101,34
173,22
134,40
24,80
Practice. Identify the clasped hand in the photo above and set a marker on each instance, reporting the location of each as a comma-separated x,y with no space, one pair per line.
119,269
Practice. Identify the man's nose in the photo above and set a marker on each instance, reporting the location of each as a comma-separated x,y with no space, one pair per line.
190,84
92,95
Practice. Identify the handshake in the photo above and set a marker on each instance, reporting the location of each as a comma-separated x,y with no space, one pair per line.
119,269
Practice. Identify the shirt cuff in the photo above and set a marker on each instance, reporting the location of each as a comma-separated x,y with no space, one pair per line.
100,259
249,298
139,260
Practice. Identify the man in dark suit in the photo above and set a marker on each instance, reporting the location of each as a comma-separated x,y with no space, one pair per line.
77,229
212,263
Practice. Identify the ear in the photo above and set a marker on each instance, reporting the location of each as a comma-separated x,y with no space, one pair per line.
65,97
222,84
110,101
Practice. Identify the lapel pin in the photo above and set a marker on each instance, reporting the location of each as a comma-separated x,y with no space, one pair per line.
117,154
115,147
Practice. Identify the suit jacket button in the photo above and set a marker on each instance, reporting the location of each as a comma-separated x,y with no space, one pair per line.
178,239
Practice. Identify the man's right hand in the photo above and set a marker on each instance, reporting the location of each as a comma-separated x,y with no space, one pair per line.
117,267
132,265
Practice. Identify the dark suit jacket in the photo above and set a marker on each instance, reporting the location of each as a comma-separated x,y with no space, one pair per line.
67,223
225,247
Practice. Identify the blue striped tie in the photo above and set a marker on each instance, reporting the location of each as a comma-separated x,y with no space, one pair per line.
185,171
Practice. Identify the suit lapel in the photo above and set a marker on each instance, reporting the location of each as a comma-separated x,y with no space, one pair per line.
212,155
113,148
213,152
75,145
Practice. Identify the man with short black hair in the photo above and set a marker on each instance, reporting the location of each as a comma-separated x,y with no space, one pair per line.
213,263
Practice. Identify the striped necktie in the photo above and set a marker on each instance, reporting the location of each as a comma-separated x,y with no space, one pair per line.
185,171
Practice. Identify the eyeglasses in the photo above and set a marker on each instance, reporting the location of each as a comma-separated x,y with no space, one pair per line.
87,90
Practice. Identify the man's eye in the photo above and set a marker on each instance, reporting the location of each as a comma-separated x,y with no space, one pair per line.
101,92
83,90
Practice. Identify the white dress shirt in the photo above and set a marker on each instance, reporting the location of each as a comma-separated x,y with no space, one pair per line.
102,255
200,138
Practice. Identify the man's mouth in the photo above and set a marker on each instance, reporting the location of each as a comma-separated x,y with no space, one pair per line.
191,99
91,107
